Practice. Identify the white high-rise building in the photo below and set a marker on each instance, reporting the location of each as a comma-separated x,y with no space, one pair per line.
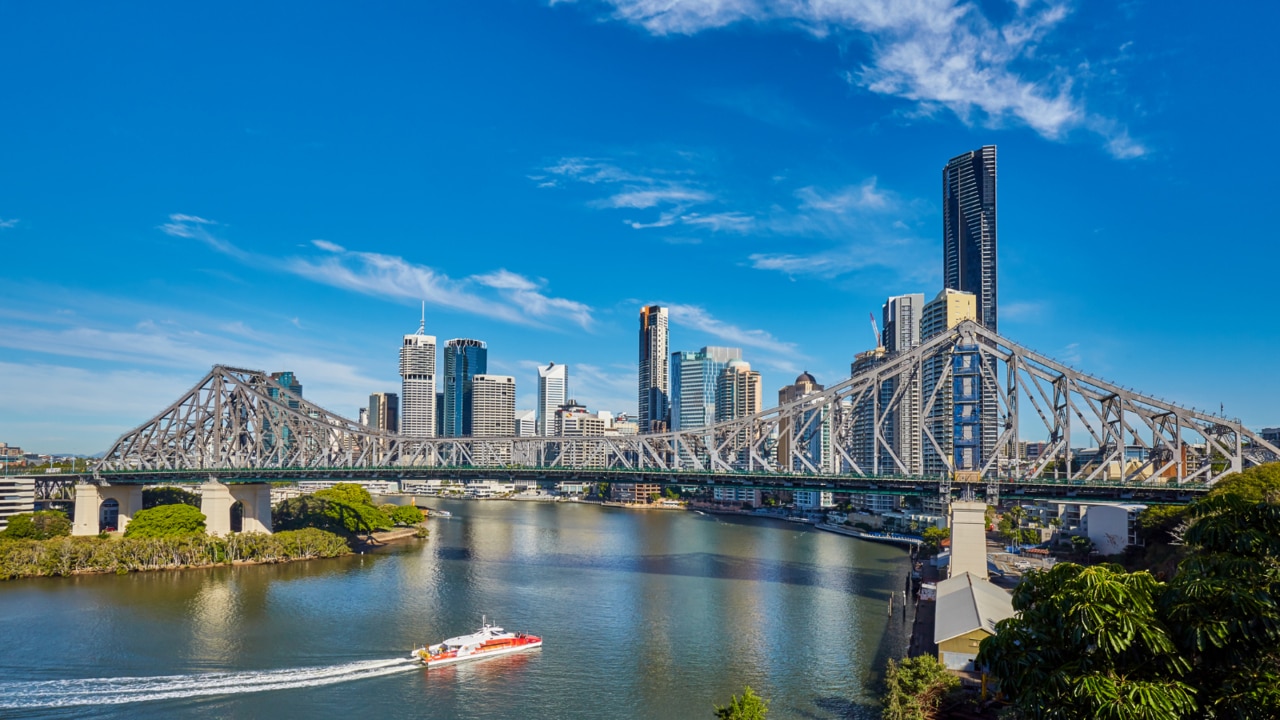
418,383
526,423
902,318
553,391
493,406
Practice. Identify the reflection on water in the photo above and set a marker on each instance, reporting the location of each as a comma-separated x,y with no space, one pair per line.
644,614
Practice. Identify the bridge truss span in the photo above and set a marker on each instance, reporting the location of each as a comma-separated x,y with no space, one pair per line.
958,406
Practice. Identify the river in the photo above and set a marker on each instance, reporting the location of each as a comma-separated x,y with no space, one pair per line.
644,614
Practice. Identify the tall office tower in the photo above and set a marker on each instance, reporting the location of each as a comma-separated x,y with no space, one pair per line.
693,385
463,360
384,412
812,429
418,383
526,423
948,309
289,382
738,391
969,229
364,416
493,414
553,390
901,430
653,408
494,406
862,441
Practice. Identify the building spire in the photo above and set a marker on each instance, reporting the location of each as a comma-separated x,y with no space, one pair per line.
422,324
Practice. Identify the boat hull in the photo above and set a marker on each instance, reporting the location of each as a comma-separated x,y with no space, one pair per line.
479,655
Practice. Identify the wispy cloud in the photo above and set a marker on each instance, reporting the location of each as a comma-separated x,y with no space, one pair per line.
775,353
934,53
6,224
672,193
501,294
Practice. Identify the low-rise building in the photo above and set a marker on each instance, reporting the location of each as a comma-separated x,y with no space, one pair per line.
813,499
634,492
967,612
11,455
731,494
375,487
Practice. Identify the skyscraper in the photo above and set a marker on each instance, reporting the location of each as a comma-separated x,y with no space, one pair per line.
384,412
553,390
653,410
738,391
901,429
418,383
463,360
526,423
969,229
494,406
812,428
948,309
693,385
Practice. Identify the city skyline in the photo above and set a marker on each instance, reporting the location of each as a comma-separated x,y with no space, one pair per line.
289,208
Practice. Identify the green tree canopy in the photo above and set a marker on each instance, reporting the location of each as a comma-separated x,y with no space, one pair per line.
166,521
168,495
349,493
915,688
933,537
1255,484
39,525
406,515
749,707
345,508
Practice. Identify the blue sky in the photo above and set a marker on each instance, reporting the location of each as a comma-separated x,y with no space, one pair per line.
279,186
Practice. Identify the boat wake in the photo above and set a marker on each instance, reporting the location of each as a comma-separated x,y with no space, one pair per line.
115,691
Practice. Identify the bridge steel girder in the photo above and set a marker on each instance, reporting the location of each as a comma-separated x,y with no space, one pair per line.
237,421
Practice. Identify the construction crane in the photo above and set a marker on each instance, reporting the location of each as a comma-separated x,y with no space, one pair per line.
875,329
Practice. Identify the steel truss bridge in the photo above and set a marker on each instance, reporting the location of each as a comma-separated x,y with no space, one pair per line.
947,415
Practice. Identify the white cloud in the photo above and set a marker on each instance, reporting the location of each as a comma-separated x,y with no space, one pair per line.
697,318
6,224
519,300
934,53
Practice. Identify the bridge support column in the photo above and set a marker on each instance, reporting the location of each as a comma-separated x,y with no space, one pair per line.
89,501
215,503
86,520
255,498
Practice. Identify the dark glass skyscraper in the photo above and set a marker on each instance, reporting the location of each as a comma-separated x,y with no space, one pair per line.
653,398
969,228
463,360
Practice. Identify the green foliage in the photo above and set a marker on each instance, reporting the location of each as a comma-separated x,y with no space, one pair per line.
671,493
1088,643
406,515
166,521
156,496
71,555
1081,545
1096,642
39,525
1158,522
345,508
915,688
933,537
1255,484
749,707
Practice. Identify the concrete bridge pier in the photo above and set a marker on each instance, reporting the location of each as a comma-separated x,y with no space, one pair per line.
216,500
120,502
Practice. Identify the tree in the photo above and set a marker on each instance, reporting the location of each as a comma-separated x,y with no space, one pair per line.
1224,606
933,537
406,515
1088,643
749,707
1255,484
915,688
353,506
1081,545
168,495
39,525
166,521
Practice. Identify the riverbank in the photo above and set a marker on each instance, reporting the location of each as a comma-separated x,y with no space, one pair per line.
65,556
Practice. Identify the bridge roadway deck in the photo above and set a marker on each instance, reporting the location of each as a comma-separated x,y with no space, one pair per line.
1032,489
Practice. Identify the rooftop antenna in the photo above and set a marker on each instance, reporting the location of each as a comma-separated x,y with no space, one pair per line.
422,325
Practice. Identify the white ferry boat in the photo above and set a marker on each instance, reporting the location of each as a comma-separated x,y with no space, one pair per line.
489,641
